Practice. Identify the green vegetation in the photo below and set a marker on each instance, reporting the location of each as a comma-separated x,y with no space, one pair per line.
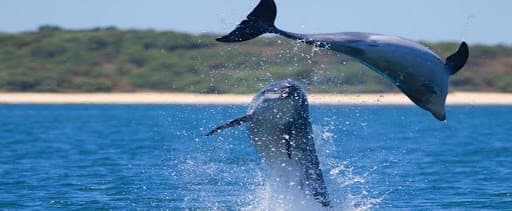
111,60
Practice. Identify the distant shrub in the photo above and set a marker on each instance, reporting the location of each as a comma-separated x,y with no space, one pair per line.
108,59
93,84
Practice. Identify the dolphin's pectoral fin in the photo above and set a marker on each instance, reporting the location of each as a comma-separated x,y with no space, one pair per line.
289,149
290,138
288,144
232,123
457,60
373,43
353,51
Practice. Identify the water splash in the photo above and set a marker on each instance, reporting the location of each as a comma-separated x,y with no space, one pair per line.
469,21
276,196
339,173
228,175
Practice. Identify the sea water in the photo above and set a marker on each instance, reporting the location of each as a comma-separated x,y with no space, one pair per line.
157,157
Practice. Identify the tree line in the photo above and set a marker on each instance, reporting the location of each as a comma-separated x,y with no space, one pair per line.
53,59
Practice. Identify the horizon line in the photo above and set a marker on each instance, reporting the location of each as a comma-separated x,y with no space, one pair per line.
107,27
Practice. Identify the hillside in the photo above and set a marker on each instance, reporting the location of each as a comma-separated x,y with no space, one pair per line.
111,60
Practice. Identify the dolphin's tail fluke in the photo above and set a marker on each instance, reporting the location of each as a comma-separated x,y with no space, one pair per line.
457,60
258,22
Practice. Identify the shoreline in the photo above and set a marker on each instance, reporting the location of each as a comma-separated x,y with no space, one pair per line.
455,98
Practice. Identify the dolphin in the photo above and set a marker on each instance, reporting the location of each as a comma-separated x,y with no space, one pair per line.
280,129
417,71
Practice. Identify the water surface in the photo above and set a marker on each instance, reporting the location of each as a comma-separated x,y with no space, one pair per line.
156,157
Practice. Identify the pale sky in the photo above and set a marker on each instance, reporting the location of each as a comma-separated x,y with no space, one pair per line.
476,21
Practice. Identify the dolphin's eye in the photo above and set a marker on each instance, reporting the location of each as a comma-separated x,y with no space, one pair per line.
287,87
430,88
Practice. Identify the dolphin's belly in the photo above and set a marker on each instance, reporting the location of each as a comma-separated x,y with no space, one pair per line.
271,146
270,143
298,168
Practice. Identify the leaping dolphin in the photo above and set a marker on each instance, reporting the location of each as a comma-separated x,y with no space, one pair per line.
417,71
280,129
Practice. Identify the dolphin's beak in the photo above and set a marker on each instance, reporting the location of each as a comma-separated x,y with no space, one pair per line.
285,92
439,114
280,93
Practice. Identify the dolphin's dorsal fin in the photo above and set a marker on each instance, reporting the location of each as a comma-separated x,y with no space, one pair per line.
232,123
457,60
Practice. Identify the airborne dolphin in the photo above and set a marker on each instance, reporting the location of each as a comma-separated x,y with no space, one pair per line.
280,129
417,71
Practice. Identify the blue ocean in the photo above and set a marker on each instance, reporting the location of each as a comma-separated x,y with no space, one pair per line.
148,157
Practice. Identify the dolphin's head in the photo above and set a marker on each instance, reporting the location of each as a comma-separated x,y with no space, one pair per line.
436,88
280,101
430,96
436,106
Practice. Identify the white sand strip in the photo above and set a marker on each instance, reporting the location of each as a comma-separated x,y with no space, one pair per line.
472,98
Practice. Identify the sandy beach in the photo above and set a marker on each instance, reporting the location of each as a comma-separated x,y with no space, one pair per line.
471,98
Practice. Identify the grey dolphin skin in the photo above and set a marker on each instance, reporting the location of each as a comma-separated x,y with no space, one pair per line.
417,71
280,129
